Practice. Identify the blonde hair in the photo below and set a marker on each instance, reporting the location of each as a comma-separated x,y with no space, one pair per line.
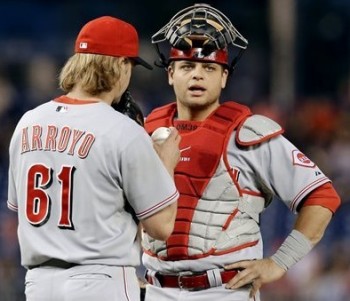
94,73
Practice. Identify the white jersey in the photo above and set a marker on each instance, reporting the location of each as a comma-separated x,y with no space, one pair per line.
73,165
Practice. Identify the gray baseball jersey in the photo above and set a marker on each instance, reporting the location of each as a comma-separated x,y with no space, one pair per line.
73,165
259,171
262,170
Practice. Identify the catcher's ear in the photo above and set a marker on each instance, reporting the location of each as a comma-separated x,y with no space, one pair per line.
170,75
224,78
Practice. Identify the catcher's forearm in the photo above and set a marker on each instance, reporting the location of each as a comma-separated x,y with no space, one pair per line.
312,221
308,231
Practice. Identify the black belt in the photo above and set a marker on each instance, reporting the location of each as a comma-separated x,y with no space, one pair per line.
56,263
195,281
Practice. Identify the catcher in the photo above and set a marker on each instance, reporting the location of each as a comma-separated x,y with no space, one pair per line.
233,164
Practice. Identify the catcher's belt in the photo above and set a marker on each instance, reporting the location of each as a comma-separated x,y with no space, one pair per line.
192,281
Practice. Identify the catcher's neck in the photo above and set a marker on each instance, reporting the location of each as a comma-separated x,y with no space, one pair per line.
195,113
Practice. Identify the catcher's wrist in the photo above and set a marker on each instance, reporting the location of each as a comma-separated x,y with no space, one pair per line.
292,250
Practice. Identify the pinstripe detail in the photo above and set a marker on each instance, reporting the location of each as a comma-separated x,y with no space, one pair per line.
306,189
11,206
125,285
161,204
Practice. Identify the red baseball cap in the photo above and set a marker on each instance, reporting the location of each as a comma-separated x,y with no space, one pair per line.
110,36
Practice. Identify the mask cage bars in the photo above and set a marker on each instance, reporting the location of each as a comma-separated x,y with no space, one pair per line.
199,24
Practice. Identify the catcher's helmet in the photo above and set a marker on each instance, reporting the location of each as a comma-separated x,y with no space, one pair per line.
200,33
219,56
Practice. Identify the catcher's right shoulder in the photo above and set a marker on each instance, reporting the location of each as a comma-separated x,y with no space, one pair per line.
160,116
256,129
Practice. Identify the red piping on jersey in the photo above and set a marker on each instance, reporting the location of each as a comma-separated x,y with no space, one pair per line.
307,188
72,101
324,196
250,192
12,206
197,166
125,284
211,252
257,141
232,215
161,204
235,249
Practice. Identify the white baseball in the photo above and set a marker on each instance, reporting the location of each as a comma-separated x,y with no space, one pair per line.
160,134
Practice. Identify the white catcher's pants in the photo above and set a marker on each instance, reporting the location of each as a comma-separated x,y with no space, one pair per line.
154,293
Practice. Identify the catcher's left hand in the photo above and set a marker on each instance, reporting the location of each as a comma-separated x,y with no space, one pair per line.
254,273
129,107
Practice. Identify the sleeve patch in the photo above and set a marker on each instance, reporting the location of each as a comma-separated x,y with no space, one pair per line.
300,159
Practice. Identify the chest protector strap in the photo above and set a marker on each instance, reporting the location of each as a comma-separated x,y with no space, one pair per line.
201,151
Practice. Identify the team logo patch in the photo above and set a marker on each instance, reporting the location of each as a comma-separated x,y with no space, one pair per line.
83,45
300,159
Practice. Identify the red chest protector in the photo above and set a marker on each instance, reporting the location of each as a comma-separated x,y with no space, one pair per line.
202,145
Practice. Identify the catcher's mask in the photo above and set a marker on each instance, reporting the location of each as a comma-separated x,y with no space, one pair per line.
200,33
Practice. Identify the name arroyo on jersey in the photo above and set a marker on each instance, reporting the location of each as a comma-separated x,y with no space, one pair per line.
65,139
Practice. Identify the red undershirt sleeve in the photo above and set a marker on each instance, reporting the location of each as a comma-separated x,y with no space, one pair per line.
324,196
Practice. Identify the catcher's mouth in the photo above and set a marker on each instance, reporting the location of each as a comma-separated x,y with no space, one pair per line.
196,88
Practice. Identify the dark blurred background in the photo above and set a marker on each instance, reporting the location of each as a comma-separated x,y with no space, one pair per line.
296,70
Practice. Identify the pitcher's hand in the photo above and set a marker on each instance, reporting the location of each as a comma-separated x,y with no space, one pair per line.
169,151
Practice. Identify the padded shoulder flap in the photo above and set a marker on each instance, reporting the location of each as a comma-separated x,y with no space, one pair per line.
256,129
161,116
